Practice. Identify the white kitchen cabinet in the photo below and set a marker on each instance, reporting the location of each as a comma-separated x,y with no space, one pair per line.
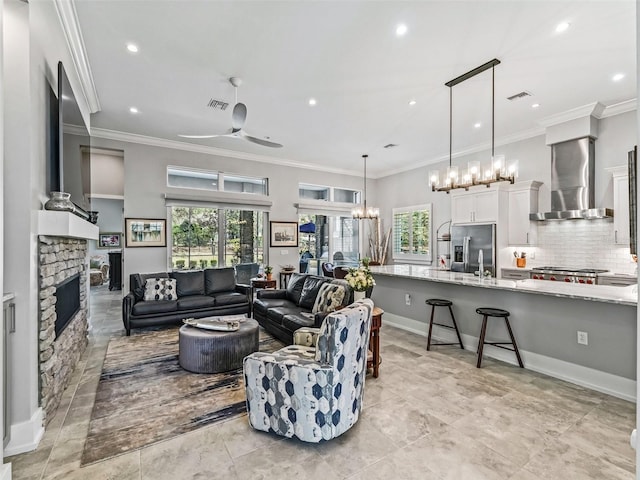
479,206
620,205
523,200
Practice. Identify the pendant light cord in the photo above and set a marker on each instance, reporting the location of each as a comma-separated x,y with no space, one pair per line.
365,183
493,110
450,124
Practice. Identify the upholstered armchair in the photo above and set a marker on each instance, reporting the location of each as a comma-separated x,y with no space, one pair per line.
312,393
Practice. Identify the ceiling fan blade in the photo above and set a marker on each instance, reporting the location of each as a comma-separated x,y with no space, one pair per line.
239,116
259,141
201,136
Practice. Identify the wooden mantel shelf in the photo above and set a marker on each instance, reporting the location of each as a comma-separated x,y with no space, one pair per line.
64,224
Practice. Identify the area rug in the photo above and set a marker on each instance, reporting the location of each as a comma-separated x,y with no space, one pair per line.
144,396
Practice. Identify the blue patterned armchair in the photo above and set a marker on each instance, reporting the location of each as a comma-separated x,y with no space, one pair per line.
312,393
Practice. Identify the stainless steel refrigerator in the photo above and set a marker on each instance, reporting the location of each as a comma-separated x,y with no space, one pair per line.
466,243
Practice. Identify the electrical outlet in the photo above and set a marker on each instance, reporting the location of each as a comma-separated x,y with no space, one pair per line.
531,255
583,338
407,299
284,252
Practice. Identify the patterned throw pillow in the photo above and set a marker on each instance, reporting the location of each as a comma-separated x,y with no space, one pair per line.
330,297
160,289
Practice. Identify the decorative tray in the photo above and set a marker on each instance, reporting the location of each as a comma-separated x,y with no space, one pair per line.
214,323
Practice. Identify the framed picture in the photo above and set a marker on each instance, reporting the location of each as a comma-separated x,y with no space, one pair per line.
110,240
284,234
145,232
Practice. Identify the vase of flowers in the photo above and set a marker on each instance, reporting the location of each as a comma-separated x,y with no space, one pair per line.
360,279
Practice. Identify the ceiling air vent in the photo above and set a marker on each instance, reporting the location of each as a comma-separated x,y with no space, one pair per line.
517,96
390,145
217,104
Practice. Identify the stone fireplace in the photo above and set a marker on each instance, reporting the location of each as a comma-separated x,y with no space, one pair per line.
63,315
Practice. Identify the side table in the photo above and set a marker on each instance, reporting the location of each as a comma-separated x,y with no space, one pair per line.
260,283
284,278
374,340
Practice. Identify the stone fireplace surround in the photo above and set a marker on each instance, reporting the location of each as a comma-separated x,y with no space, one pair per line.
62,253
60,258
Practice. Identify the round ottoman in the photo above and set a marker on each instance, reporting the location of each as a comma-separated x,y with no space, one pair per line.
210,351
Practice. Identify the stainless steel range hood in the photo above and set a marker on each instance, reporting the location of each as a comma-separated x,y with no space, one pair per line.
572,181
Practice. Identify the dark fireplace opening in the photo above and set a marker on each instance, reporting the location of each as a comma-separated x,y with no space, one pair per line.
67,302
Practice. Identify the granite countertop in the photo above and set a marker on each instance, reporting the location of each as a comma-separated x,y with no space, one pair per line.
597,293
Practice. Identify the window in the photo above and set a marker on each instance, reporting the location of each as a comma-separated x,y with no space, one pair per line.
412,233
215,237
328,194
336,240
195,179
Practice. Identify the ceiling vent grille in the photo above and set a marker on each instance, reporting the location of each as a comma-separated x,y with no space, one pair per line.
217,104
390,145
518,96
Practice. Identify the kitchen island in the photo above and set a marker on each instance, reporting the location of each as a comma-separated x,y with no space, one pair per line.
545,316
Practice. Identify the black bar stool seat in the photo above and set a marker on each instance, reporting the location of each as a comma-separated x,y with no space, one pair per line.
487,312
438,302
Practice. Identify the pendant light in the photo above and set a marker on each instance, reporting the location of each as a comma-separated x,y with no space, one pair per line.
363,211
496,170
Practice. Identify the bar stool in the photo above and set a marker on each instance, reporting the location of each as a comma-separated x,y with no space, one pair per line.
437,302
495,312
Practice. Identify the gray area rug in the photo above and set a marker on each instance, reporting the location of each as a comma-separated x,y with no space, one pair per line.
144,396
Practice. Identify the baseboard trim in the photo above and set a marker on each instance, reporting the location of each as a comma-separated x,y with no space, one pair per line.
5,471
604,382
26,436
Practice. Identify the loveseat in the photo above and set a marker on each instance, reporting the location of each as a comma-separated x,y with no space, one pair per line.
167,298
304,303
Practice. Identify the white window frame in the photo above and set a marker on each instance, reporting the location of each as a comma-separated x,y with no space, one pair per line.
220,178
331,190
397,255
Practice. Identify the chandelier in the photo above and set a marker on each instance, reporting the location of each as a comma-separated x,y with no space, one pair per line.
496,169
362,211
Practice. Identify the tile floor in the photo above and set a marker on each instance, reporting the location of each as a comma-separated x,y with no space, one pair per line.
430,415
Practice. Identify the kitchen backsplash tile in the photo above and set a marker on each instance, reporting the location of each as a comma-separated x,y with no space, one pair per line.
582,244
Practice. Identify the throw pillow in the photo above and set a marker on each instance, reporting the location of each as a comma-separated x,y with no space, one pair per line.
160,289
330,297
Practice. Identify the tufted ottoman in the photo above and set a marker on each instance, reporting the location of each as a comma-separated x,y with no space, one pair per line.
209,351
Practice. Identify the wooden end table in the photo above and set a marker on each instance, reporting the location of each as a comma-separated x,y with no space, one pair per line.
374,340
284,277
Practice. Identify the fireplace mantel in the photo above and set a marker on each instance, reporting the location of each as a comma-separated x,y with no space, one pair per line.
65,224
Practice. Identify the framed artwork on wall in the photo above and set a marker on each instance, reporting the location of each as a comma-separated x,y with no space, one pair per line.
145,232
283,234
110,240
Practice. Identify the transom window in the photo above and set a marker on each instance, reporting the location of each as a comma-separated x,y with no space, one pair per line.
328,194
412,233
195,179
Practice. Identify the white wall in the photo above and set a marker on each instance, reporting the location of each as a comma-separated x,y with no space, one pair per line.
5,470
146,199
616,136
110,219
33,44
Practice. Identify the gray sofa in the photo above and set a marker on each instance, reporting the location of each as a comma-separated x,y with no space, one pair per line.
200,293
281,312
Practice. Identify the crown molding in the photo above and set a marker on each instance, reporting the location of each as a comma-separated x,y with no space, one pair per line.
594,109
618,108
192,147
73,34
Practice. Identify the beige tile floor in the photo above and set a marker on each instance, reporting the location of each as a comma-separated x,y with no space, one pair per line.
430,415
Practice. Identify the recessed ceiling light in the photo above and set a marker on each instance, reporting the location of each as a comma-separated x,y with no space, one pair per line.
617,77
401,30
477,125
133,110
312,102
132,48
563,26
535,105
412,102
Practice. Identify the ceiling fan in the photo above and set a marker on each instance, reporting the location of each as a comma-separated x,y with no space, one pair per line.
238,117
